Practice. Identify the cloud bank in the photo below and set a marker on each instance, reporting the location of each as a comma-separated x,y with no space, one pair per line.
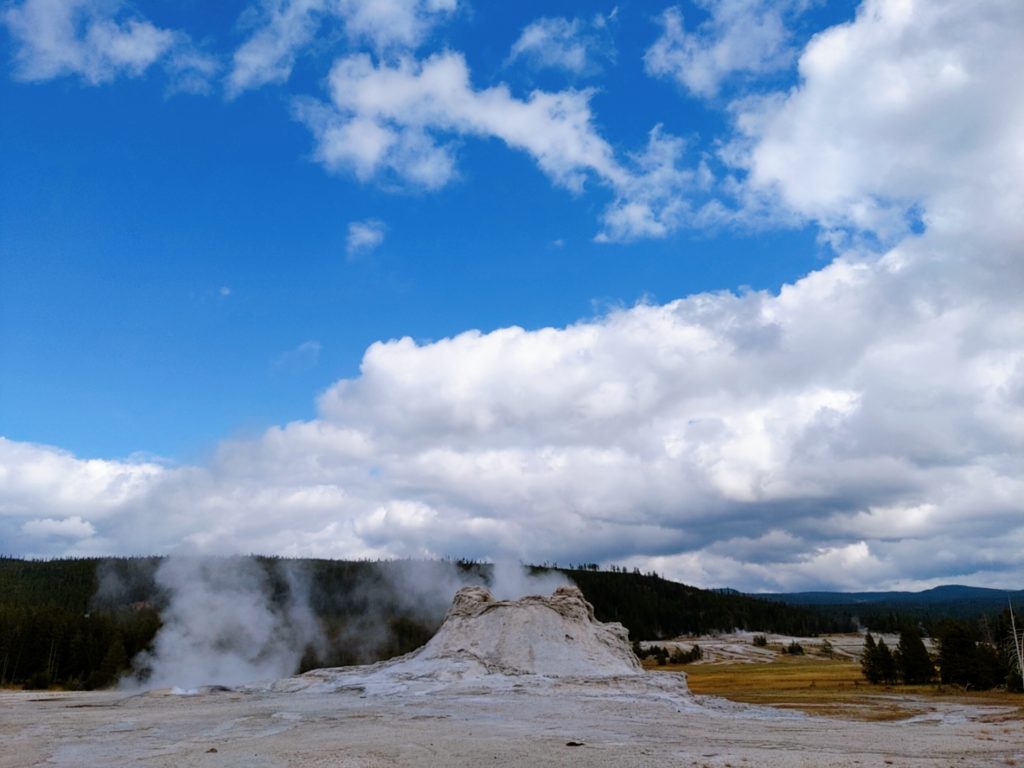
868,417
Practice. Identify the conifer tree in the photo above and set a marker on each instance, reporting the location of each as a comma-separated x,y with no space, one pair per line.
869,660
886,662
912,660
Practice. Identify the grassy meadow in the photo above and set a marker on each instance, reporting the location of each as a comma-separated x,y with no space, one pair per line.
832,688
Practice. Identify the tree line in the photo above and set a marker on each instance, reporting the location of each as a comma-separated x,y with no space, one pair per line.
61,624
974,655
654,608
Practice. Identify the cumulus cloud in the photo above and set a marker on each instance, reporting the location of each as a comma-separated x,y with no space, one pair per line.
92,487
740,36
97,41
364,237
578,46
286,27
394,119
50,494
913,110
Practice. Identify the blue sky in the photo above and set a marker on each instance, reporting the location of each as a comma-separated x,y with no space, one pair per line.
126,211
209,215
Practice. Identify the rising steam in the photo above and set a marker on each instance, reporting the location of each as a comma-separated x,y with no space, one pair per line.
235,620
222,625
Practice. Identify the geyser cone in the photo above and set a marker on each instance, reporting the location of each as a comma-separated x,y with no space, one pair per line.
494,645
554,636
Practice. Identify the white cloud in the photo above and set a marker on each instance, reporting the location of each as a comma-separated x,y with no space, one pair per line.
83,37
73,527
47,492
97,41
90,487
191,71
306,355
912,109
364,237
576,45
741,36
391,23
269,54
289,26
393,119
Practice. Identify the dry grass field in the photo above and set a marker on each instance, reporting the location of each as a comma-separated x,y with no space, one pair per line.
834,688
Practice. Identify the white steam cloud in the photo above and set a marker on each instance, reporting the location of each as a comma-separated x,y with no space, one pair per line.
222,627
510,580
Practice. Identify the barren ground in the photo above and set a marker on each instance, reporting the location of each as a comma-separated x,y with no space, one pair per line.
523,724
445,706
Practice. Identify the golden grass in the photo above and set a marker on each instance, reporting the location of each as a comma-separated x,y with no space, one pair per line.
831,688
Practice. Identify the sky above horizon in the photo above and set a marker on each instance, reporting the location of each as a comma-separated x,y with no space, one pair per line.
729,290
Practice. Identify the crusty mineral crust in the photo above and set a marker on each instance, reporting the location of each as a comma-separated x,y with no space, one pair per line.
555,636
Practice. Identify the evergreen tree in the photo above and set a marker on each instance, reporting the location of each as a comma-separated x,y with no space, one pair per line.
912,660
869,660
958,654
886,662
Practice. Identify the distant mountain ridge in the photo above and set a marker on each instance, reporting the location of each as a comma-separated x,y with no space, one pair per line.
951,599
935,595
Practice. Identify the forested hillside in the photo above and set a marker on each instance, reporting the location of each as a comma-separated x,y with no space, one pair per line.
653,608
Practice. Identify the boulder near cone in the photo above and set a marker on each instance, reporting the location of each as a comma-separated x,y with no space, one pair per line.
555,636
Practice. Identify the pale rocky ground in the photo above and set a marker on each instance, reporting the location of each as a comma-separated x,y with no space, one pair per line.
738,647
488,690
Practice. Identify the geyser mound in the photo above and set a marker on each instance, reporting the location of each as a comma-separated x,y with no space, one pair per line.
556,636
490,644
